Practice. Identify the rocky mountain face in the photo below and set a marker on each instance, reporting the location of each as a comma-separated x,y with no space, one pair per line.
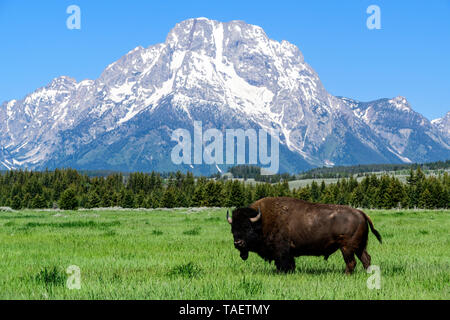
406,133
226,75
443,125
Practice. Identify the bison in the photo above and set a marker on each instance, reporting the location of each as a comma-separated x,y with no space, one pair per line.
280,229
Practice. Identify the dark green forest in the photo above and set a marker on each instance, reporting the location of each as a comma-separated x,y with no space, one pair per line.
70,189
254,172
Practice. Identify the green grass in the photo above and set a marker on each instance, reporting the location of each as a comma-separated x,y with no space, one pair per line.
186,254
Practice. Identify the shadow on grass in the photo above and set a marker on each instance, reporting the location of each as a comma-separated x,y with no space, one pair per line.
19,216
188,270
73,224
192,232
212,219
320,270
109,233
157,232
319,267
50,276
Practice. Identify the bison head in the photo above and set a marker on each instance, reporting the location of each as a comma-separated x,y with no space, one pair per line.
246,228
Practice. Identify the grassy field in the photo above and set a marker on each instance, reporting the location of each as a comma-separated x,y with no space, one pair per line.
189,254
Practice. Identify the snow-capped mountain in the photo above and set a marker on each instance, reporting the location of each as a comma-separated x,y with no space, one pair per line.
406,133
443,125
227,75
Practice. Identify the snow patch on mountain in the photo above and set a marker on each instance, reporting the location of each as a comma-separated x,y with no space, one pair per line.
227,74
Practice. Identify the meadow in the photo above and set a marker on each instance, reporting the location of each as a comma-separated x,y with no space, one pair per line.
189,254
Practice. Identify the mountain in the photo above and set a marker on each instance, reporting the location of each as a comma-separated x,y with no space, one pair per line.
443,125
406,133
226,75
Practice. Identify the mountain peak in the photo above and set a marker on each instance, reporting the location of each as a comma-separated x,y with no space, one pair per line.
62,81
443,124
197,33
400,103
225,74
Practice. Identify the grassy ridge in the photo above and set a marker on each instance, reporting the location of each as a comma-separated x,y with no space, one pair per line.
188,254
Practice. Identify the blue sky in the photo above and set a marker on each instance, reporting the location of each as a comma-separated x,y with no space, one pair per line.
409,56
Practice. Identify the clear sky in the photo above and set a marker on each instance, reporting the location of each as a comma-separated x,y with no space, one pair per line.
409,56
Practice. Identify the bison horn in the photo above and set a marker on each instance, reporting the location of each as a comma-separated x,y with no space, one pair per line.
228,218
257,217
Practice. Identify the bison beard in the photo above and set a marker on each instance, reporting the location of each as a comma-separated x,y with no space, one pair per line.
280,229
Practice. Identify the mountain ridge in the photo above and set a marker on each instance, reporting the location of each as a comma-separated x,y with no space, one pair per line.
228,75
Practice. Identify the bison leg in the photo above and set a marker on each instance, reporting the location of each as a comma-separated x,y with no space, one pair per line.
364,257
285,263
349,258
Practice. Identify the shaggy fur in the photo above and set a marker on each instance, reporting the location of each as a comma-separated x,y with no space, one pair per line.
290,227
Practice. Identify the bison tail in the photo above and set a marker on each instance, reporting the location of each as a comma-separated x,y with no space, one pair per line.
372,228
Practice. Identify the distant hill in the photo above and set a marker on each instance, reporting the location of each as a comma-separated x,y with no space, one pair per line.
254,172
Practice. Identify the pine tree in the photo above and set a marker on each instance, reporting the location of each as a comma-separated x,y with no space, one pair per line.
371,197
283,189
411,179
38,202
169,197
183,200
115,199
140,199
426,200
93,200
382,195
213,194
395,195
155,199
328,195
68,200
16,203
437,192
236,197
261,191
84,202
420,176
106,198
148,203
127,199
357,197
322,188
304,194
198,199
249,195
26,201
315,192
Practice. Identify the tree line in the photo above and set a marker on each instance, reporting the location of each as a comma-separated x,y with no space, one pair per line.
362,169
254,172
70,189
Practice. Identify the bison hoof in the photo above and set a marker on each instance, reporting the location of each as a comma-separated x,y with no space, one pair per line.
286,270
285,267
244,255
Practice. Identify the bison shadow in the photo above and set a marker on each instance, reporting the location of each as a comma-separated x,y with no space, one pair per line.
302,269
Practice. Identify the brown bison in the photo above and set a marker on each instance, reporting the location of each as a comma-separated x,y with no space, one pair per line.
281,229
